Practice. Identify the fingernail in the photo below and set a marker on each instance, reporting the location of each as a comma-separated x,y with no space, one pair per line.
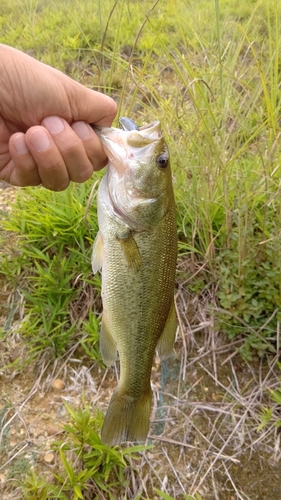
40,140
19,144
54,124
82,129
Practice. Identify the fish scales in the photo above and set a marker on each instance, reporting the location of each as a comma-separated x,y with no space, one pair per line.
137,249
146,308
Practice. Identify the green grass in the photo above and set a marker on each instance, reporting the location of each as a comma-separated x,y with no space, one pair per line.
271,414
51,262
210,72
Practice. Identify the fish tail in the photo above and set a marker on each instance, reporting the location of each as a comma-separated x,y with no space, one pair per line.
127,419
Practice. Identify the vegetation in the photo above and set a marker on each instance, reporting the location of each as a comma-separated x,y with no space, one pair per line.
210,71
52,262
88,467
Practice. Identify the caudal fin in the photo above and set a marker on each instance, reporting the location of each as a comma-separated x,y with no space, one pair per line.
127,419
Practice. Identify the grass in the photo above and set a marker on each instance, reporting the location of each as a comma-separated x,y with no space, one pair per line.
210,72
52,262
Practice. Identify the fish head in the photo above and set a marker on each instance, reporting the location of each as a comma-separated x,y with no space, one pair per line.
139,175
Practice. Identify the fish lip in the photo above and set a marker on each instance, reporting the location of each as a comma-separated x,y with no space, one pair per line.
152,125
122,146
152,129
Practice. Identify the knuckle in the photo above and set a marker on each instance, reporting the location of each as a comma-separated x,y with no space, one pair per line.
113,108
83,174
80,171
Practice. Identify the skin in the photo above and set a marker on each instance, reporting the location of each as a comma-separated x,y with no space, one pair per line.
45,136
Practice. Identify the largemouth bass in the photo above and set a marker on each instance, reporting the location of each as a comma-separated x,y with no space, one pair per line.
136,247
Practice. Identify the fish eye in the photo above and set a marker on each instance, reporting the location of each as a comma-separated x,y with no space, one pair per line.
162,160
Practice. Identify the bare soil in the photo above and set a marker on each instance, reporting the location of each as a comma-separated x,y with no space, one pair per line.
205,438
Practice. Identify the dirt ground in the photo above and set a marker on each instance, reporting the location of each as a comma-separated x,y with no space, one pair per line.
205,432
206,439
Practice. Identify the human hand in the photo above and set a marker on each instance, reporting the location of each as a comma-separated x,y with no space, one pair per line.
45,136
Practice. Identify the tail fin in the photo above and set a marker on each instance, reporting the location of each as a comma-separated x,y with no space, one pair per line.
127,419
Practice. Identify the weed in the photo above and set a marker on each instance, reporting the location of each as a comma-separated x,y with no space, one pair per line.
37,488
249,290
271,414
87,468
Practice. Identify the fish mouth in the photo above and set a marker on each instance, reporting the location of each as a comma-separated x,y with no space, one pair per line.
124,146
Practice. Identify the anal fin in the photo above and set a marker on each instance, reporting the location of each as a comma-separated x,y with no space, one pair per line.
108,347
166,341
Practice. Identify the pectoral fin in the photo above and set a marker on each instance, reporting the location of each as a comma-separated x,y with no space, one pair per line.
166,341
107,346
97,255
131,251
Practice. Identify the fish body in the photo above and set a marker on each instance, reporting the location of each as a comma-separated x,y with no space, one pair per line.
137,249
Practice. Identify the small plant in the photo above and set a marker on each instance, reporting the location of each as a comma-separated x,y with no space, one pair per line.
86,467
249,288
271,414
37,488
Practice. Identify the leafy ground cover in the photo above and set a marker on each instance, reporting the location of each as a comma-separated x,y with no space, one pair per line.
210,71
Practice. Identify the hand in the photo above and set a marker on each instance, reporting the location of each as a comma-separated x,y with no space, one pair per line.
45,136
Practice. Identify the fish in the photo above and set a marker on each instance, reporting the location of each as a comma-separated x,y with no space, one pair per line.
136,251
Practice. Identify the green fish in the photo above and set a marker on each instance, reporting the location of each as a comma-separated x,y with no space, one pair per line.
136,247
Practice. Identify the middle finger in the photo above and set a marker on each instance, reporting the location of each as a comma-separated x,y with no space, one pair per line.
70,147
50,164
